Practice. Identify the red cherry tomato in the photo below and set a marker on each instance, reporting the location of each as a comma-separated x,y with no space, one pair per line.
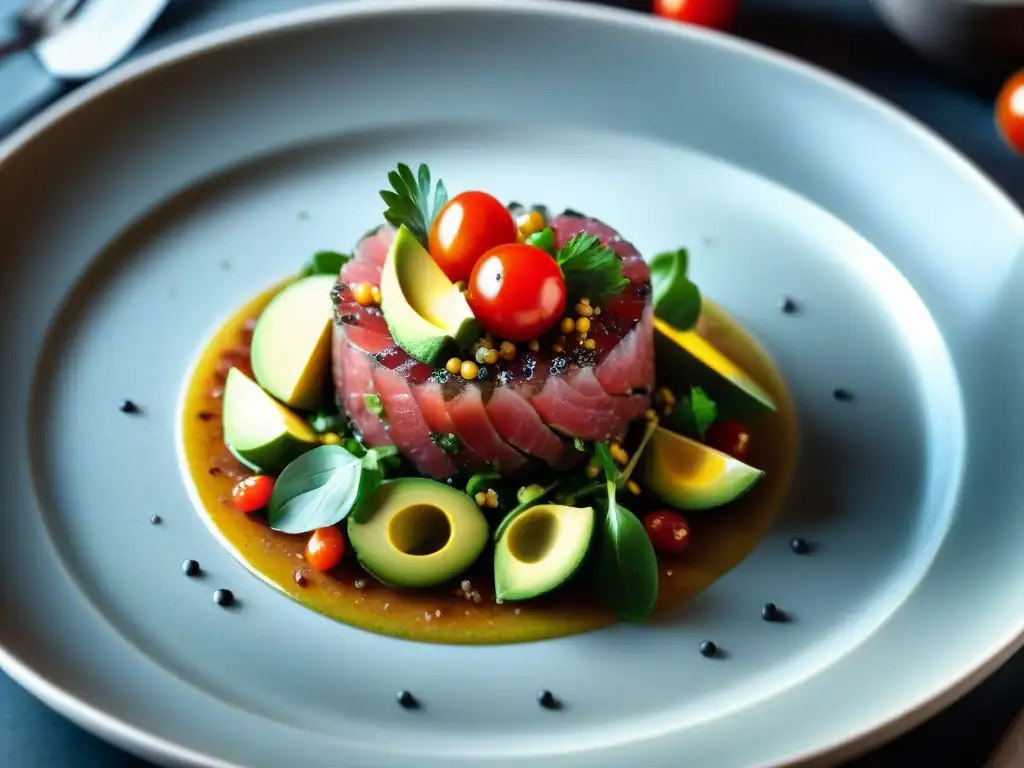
729,437
668,531
468,226
325,548
517,291
1010,112
718,14
253,493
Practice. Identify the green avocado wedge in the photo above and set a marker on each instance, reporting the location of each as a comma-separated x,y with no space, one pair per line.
540,550
425,311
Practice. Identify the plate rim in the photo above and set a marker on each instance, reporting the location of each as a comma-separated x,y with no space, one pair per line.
140,741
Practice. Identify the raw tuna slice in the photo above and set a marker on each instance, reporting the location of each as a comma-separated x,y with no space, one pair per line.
430,400
630,366
474,428
574,408
517,421
354,369
409,431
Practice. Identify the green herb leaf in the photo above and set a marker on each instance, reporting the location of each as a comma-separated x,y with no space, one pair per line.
627,568
591,269
370,477
448,443
677,300
326,263
480,482
545,240
528,493
354,447
316,490
516,511
579,445
604,456
374,405
412,203
704,410
324,422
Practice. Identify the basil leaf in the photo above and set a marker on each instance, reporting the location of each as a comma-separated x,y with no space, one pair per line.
354,447
627,568
327,263
604,455
704,409
677,300
480,482
374,405
316,490
370,478
545,240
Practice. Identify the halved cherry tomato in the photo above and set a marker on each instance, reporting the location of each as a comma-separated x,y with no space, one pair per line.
468,226
517,291
668,531
729,437
718,14
325,548
1010,112
253,493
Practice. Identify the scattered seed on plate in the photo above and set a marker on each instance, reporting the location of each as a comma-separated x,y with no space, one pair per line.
407,701
155,520
190,568
223,597
769,612
548,701
788,306
300,578
708,649
842,394
127,406
799,546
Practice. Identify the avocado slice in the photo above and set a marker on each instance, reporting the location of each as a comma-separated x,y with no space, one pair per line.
291,343
540,550
258,430
426,313
689,475
421,533
685,359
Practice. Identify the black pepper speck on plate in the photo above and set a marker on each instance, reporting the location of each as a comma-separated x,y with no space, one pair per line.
407,701
842,394
800,546
708,649
788,306
155,520
224,597
127,406
548,701
190,568
770,612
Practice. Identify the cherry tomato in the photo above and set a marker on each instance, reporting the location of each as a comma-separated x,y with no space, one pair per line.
1010,112
325,548
468,226
729,437
517,291
718,14
668,531
253,493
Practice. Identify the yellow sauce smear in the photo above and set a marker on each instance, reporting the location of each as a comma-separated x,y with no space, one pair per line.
720,538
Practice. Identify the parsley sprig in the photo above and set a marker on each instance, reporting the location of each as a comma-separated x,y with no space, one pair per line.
414,201
591,269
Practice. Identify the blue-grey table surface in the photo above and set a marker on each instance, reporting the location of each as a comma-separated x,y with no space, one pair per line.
844,36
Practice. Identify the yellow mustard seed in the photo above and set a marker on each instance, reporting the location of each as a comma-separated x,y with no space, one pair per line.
330,438
633,487
651,414
592,471
363,293
453,366
584,310
533,346
584,300
375,294
487,342
460,285
491,356
480,355
557,349
567,326
481,499
469,370
597,310
589,344
508,350
492,498
582,325
529,223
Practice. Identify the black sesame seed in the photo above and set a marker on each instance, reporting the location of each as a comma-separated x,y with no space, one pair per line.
541,209
155,520
842,394
127,406
788,306
800,546
190,568
708,649
407,701
769,612
348,319
548,701
573,212
513,204
223,597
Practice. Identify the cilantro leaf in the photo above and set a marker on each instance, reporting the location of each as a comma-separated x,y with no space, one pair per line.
409,200
677,300
704,410
591,269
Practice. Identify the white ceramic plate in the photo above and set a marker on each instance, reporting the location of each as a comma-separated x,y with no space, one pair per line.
139,212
